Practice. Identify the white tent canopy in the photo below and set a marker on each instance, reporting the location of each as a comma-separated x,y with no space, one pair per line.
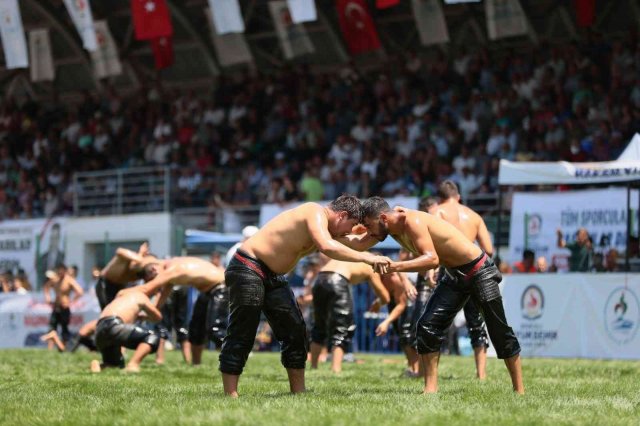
625,169
632,151
562,172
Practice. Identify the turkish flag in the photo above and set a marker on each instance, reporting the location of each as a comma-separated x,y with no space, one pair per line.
383,4
357,26
162,52
585,12
151,19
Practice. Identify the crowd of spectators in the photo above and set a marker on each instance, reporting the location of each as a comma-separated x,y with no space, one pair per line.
295,135
19,283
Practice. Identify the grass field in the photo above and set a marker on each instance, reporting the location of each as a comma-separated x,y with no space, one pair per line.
39,387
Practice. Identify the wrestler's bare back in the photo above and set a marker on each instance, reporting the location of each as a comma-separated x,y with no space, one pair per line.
452,246
284,239
462,217
126,306
355,272
198,273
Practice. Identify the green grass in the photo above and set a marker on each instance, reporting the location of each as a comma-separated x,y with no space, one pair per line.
39,387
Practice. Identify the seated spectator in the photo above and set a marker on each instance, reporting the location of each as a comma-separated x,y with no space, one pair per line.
6,283
611,261
503,266
526,265
541,265
22,284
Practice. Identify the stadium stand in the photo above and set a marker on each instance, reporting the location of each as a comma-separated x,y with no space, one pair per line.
298,135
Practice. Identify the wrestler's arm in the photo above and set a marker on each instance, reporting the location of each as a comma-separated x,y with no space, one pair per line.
401,304
143,250
163,278
46,288
419,234
164,295
128,254
382,295
153,314
484,239
409,289
360,242
317,225
76,288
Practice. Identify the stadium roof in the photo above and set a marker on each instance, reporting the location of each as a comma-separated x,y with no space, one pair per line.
196,63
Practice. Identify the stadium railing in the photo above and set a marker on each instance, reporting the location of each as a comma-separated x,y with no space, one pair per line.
122,191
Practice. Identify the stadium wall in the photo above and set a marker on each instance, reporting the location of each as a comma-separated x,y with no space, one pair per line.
85,235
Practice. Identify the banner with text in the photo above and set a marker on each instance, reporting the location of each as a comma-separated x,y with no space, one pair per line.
32,245
535,218
25,318
575,315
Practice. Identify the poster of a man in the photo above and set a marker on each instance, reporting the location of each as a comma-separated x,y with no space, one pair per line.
50,251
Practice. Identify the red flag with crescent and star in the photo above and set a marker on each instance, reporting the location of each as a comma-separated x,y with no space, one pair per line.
151,19
357,26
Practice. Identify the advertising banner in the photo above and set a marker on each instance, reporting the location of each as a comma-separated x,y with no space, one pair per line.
575,315
32,245
536,217
25,318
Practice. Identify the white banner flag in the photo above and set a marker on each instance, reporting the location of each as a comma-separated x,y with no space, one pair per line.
232,48
14,43
293,37
536,217
302,10
430,22
227,16
505,18
105,59
80,11
40,56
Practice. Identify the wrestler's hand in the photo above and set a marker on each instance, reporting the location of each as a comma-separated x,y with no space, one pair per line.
432,278
393,267
410,290
382,329
144,249
380,263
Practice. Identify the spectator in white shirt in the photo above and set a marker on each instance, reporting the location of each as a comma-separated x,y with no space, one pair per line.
464,160
422,105
403,145
344,150
495,141
362,131
468,125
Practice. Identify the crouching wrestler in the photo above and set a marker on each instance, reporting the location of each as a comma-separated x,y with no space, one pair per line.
116,328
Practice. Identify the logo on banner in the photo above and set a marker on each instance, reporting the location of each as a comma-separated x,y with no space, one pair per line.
534,225
622,315
532,302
